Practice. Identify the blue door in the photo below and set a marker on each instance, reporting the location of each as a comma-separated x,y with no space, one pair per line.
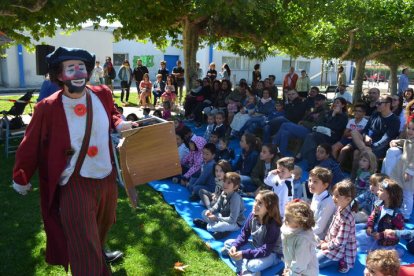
171,61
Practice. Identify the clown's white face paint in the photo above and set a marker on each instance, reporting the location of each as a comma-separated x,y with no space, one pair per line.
74,75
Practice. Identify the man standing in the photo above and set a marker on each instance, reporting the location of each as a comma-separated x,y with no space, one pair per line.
139,72
403,82
178,73
68,141
289,82
341,76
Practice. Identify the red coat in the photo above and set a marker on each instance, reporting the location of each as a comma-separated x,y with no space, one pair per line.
45,147
293,81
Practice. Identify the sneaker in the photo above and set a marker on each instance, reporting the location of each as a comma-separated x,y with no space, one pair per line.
343,267
220,235
200,223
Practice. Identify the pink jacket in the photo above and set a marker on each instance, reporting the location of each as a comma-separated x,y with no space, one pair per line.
194,159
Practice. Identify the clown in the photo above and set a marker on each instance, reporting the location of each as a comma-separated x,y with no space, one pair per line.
68,142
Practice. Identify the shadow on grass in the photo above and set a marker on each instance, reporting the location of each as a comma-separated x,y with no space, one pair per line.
154,233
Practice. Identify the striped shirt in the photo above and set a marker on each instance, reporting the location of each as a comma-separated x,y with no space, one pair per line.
341,238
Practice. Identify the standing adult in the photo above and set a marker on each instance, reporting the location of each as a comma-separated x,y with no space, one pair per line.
303,84
289,82
98,73
403,82
225,72
272,87
178,73
47,88
109,73
125,75
212,73
139,72
256,75
68,139
163,70
199,71
341,80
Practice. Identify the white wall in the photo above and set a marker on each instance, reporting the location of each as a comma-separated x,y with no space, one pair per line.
98,42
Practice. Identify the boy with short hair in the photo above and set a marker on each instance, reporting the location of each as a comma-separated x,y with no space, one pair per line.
214,138
322,204
281,181
227,214
220,127
210,126
223,151
206,178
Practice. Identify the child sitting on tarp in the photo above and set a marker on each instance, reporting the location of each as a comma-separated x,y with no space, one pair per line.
206,178
227,214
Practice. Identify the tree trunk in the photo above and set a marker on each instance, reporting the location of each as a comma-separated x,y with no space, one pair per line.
359,79
393,81
190,47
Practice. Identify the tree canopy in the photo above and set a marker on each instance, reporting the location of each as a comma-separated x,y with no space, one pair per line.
356,30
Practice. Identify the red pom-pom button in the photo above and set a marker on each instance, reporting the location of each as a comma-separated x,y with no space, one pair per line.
80,110
92,151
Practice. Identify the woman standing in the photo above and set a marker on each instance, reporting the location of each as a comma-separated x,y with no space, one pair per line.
125,75
225,72
303,84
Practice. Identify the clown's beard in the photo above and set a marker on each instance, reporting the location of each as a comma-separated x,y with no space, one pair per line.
75,86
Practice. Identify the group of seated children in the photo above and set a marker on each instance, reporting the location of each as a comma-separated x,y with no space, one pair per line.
342,218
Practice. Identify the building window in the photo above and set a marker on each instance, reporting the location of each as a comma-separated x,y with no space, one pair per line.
303,65
119,59
234,63
286,64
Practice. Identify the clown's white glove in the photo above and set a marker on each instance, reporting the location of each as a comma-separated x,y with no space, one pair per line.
22,189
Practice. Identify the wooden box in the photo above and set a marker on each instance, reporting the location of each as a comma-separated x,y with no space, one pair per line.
148,153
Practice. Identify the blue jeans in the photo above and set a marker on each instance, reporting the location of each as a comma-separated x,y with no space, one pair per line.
251,265
253,123
287,131
272,127
247,184
325,261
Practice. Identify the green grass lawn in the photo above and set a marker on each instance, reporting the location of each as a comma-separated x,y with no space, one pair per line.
153,238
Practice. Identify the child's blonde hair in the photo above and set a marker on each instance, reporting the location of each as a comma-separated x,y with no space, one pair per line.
385,261
300,213
372,158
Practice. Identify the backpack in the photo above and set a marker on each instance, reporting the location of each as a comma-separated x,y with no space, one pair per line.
111,73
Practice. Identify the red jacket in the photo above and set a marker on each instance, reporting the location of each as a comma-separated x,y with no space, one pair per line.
45,147
293,81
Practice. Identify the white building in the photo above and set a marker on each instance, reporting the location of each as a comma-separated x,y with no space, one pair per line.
18,68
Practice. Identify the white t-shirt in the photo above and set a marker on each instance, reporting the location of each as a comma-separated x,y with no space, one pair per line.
352,125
